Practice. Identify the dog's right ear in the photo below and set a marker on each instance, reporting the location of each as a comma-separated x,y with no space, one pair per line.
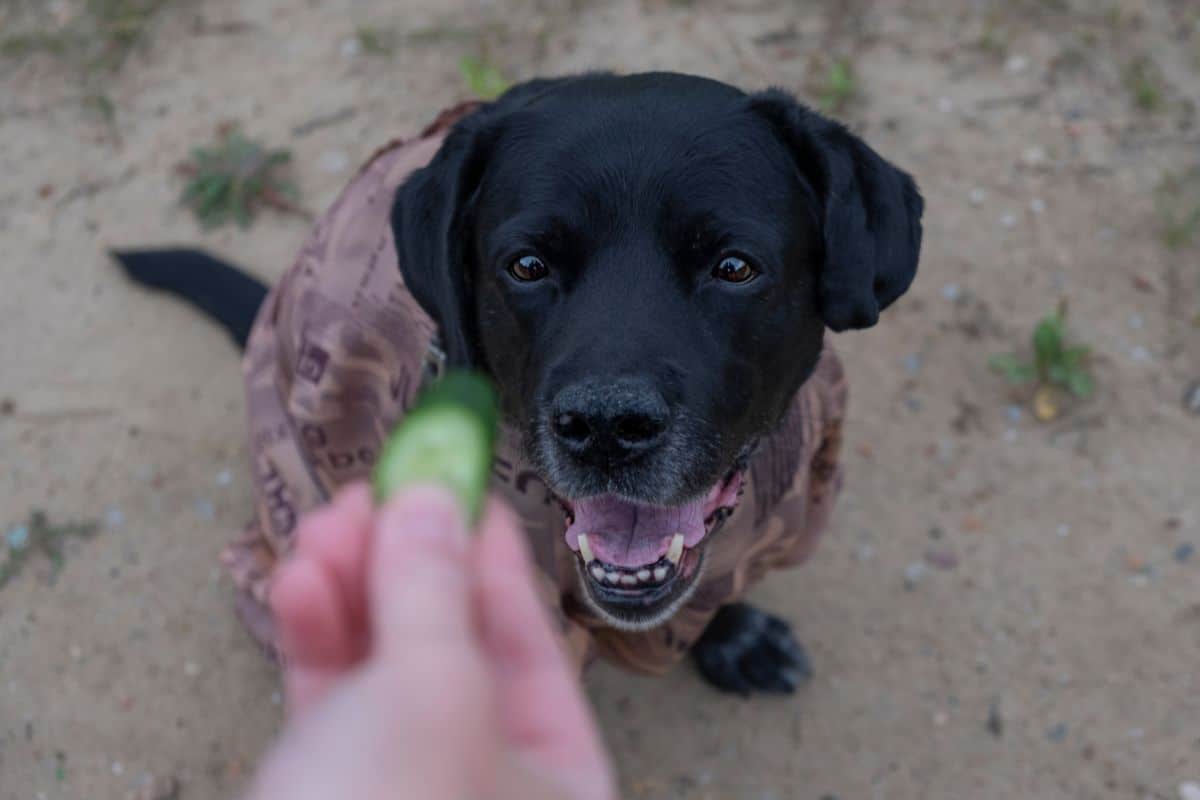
431,221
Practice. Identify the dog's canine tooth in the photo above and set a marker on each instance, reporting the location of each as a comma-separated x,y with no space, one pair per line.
660,574
585,549
675,551
597,572
643,575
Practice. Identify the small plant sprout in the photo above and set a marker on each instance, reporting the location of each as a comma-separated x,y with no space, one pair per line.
230,181
1144,81
1056,367
483,78
839,88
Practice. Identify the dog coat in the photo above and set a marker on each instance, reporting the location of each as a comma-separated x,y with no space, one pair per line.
338,352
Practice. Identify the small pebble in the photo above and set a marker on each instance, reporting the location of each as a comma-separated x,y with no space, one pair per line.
1189,791
276,699
333,162
951,291
940,719
1057,733
1108,234
976,196
159,789
1010,435
76,652
114,517
942,558
945,105
913,404
204,508
1140,353
1015,64
864,552
1033,155
1191,398
995,723
18,537
1064,530
351,47
224,478
191,669
1184,552
1037,205
118,768
912,363
913,574
1136,322
1008,220
1014,414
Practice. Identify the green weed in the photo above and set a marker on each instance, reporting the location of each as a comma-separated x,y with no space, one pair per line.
96,39
1145,84
484,79
1177,202
230,181
839,88
377,41
1054,363
39,536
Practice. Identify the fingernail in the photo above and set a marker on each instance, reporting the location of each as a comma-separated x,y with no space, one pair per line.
425,512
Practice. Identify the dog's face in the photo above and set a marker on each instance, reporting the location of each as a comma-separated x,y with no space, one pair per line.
646,266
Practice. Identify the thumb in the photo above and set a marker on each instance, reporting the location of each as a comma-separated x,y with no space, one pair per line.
419,582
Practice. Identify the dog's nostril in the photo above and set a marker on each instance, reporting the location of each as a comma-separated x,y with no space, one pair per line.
572,427
637,428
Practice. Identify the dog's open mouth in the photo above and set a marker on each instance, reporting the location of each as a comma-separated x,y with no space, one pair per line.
638,560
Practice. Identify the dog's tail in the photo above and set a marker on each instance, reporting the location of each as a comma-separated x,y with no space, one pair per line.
222,291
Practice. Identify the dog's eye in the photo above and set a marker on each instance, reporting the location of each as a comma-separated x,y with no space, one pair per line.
528,268
734,270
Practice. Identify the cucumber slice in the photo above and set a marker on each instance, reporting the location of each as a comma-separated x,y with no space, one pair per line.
446,439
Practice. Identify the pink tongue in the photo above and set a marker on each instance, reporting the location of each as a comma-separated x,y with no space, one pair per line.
631,535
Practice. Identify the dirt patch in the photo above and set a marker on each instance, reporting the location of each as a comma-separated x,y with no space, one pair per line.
1003,609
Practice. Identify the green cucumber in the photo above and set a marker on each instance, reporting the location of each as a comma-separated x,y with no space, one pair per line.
446,439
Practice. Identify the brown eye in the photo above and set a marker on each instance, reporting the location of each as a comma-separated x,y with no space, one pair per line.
528,268
734,270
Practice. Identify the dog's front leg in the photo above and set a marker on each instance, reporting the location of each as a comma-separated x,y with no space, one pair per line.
745,650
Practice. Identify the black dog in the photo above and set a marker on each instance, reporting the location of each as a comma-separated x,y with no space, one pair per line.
645,266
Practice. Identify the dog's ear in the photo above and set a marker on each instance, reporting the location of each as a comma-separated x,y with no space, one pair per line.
871,213
431,221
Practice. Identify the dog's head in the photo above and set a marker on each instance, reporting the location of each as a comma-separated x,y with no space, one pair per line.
646,266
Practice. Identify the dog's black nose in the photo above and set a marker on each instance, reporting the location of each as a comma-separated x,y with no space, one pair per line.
610,421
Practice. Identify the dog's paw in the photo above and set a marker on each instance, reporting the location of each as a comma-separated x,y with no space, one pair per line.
745,650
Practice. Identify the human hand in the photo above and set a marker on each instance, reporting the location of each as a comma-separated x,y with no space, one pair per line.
421,663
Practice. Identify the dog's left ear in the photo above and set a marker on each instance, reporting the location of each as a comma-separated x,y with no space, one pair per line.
428,225
871,213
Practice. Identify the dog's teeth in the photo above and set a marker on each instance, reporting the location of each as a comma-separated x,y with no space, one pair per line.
597,573
612,577
660,574
643,575
675,551
628,580
585,549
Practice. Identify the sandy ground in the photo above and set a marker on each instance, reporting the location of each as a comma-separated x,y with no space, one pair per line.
1046,642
